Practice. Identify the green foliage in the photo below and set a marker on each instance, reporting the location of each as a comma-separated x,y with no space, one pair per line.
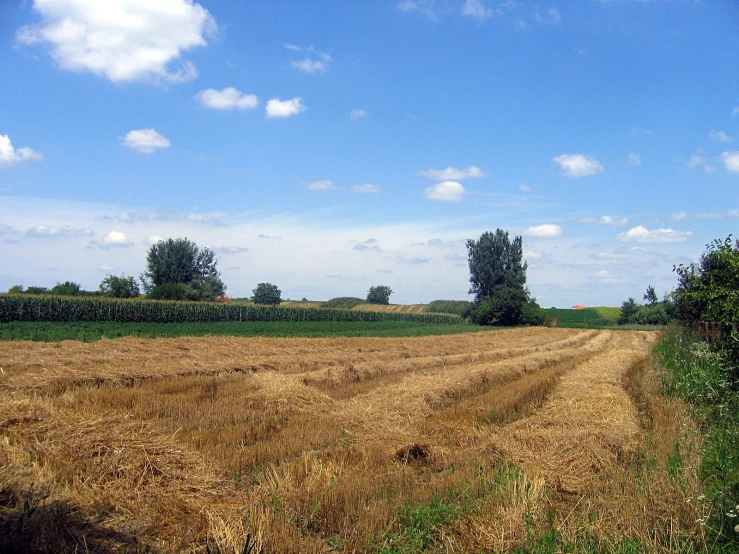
504,307
706,379
15,289
588,318
67,288
267,293
37,290
533,314
650,296
119,287
379,295
169,291
495,261
181,261
343,302
497,278
52,308
629,310
458,307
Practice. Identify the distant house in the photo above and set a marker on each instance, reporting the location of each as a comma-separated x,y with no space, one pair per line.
578,307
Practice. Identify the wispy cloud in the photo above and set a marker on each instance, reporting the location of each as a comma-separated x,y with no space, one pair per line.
369,244
322,185
547,230
453,173
425,7
549,17
719,136
358,113
477,10
634,159
367,188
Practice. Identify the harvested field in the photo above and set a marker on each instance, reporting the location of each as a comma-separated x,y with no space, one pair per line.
334,445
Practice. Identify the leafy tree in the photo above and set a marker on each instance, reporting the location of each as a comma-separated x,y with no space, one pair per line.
628,310
497,279
379,294
650,296
266,293
169,291
67,288
15,289
181,261
119,287
37,290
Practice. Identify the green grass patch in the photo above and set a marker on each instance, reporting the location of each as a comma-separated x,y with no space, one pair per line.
92,331
588,318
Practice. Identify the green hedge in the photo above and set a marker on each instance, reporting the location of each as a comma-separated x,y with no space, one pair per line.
48,308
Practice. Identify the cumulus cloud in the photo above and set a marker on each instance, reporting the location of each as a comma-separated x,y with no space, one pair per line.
699,161
121,40
367,188
577,165
719,136
548,230
643,235
11,156
447,191
284,108
116,238
477,11
321,185
731,161
358,113
453,173
227,99
634,159
145,141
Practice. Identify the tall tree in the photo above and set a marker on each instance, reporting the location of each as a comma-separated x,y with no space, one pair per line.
379,294
497,278
181,261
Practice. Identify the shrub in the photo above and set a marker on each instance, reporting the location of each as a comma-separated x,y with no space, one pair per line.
343,302
68,288
169,291
119,287
505,307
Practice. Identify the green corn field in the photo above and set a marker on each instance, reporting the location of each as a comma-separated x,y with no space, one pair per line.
61,309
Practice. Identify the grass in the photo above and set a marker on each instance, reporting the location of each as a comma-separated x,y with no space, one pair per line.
585,319
93,331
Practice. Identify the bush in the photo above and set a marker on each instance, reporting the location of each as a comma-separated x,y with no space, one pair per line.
379,295
654,314
68,288
343,303
267,293
119,287
505,307
533,314
169,291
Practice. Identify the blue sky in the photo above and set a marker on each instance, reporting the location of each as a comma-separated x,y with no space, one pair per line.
327,147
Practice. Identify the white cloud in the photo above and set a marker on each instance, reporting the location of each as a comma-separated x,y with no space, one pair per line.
476,10
356,114
309,66
640,131
121,40
155,239
10,156
321,185
577,165
367,188
699,161
227,99
679,216
735,111
145,141
116,238
634,159
608,220
447,191
284,108
719,136
731,161
643,235
453,173
525,188
548,230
